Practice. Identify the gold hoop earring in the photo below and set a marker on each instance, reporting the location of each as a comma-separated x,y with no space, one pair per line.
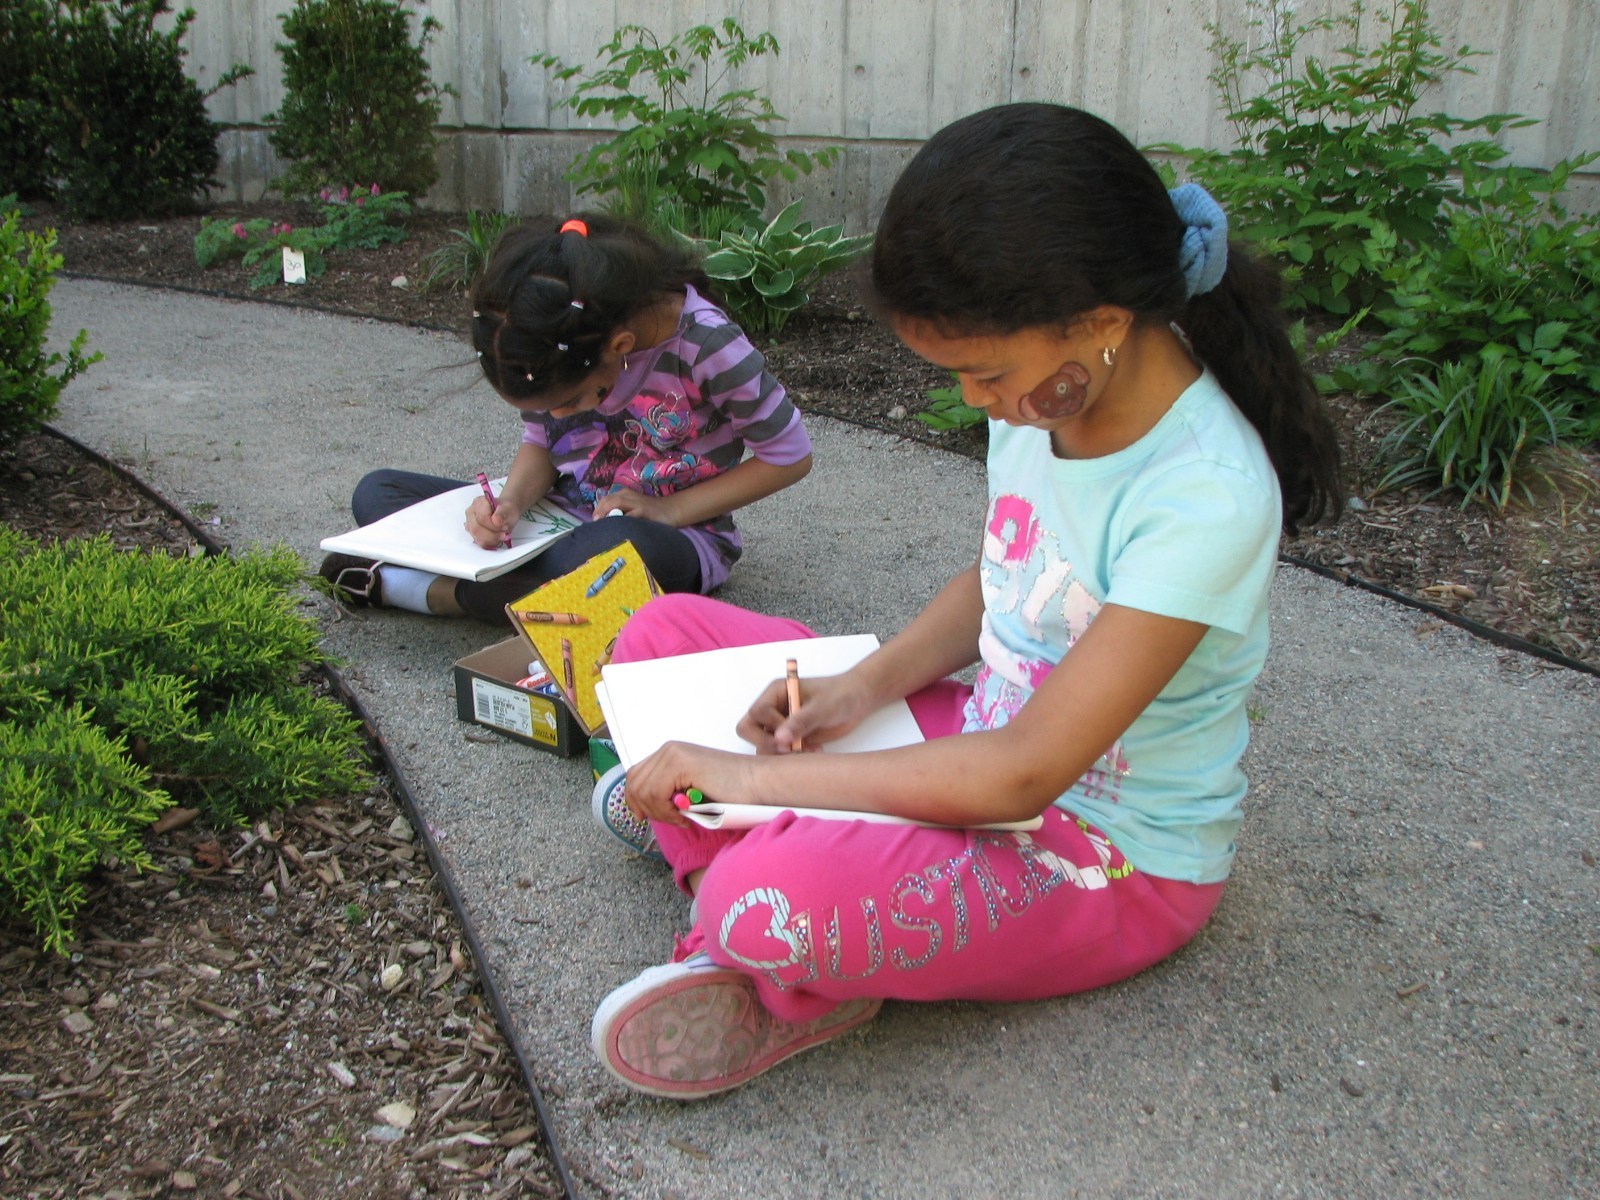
1109,356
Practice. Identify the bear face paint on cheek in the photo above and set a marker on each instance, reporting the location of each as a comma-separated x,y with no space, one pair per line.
1062,395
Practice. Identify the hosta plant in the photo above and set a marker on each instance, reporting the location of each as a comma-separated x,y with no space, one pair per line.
763,273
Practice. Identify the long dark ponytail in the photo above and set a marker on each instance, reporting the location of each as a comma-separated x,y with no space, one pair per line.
1028,215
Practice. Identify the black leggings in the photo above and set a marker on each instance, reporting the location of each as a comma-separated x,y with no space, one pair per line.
668,552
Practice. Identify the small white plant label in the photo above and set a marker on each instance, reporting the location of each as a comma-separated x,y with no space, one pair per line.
294,266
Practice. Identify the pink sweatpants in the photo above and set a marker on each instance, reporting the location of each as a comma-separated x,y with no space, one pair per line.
822,911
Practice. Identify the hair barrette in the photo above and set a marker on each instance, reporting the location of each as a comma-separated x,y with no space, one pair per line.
476,314
529,376
561,346
577,304
575,226
480,353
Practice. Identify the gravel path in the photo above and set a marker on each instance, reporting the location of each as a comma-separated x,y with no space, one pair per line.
1399,996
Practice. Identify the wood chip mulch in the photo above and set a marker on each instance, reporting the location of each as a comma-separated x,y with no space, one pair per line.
283,1012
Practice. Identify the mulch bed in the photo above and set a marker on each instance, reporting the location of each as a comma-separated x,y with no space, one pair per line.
281,1012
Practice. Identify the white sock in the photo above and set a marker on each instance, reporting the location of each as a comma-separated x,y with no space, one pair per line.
406,587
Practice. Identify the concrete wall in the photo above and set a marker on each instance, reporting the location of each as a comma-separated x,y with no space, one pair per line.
878,76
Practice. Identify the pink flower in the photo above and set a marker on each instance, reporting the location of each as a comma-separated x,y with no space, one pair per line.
344,194
326,194
287,228
238,230
360,200
374,189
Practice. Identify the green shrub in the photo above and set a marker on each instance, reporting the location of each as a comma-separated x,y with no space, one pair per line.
199,662
30,386
130,681
1514,280
364,222
640,196
71,797
947,410
762,272
1336,173
455,264
24,102
702,147
358,102
127,129
1476,427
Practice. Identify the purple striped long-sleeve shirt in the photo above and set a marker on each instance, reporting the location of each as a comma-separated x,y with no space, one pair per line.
683,411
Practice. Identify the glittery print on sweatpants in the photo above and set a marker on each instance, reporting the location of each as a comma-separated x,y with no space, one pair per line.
821,911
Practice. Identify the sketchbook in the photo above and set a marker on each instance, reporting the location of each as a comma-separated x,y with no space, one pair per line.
699,698
431,535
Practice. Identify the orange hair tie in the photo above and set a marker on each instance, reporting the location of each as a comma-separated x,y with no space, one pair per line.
577,227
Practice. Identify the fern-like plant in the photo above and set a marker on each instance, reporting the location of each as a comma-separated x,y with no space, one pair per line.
703,143
129,681
1338,170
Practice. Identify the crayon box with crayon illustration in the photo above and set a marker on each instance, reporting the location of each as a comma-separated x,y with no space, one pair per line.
570,624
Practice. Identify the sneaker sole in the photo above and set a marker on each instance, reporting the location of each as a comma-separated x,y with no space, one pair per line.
687,1036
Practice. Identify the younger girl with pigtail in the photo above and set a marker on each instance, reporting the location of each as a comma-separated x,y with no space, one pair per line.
1150,432
639,399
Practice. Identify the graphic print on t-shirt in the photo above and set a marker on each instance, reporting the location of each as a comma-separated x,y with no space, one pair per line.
1033,590
642,453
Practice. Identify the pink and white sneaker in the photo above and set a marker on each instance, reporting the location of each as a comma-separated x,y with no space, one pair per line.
691,1029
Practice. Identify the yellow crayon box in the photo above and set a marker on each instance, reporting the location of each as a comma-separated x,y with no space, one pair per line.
570,624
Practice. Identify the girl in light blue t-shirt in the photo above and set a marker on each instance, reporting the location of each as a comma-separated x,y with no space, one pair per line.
1151,431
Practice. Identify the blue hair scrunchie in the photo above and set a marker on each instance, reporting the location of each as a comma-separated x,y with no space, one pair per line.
1203,257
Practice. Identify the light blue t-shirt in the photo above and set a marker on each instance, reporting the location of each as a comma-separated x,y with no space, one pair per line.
1183,523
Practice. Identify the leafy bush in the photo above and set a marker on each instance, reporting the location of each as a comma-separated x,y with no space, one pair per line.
643,199
160,679
71,797
947,410
358,102
1474,426
24,102
362,223
455,264
762,273
127,129
702,147
1514,279
30,386
180,653
1336,173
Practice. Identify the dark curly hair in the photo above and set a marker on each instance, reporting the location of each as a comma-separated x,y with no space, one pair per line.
546,302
